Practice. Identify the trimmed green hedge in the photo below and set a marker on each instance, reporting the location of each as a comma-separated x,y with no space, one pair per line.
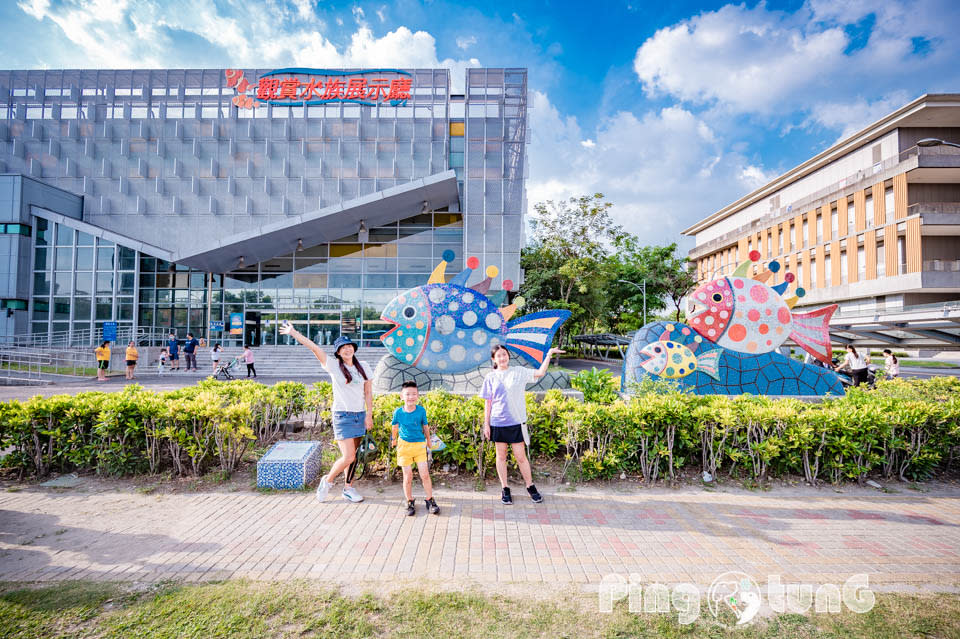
905,429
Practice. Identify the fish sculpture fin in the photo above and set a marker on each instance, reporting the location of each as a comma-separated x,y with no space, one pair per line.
440,272
483,287
508,311
497,298
811,331
742,270
709,363
781,288
763,277
791,302
530,336
460,279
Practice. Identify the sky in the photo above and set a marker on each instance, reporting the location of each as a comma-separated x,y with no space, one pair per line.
672,110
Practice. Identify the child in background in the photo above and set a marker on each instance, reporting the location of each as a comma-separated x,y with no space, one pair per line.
410,422
161,361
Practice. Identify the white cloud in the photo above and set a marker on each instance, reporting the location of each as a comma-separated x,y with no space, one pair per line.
115,34
757,60
382,14
662,170
466,43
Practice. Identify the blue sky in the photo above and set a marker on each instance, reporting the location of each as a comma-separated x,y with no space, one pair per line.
672,109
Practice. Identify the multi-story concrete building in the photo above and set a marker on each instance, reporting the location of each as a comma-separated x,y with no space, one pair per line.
872,223
175,198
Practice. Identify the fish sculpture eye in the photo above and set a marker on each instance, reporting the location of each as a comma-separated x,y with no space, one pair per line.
409,312
717,297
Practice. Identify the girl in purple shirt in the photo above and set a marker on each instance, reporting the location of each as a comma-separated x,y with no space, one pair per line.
505,414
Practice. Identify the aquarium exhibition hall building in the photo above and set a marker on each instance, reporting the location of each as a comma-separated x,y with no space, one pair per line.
224,201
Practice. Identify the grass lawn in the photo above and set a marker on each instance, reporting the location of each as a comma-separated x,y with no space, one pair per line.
80,371
239,609
917,363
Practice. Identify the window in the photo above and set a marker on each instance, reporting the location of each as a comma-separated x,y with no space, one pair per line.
861,265
843,267
827,271
813,273
806,230
15,229
834,221
851,212
819,228
869,206
902,254
780,242
881,262
888,202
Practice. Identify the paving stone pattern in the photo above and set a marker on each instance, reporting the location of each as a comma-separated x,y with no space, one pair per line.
901,541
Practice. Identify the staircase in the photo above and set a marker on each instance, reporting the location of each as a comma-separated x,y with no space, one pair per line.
290,362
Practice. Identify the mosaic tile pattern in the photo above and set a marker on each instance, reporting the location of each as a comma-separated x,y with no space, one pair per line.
445,327
734,372
289,465
391,373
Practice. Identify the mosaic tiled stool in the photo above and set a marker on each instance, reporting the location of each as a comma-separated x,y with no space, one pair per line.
289,465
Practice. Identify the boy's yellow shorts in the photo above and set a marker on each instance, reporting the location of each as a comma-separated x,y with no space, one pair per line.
409,453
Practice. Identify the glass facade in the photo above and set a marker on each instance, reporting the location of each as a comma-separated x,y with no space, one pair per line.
164,158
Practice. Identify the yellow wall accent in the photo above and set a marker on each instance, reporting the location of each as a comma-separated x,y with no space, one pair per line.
835,263
879,205
890,251
457,129
914,255
825,212
900,196
870,254
798,231
811,227
860,210
821,266
852,270
842,222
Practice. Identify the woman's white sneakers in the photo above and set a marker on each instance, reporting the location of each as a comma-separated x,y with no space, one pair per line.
322,489
350,494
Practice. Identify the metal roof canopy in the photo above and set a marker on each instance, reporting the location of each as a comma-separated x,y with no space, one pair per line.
327,224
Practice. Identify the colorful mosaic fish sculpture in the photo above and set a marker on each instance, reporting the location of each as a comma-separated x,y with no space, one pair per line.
729,346
746,315
447,327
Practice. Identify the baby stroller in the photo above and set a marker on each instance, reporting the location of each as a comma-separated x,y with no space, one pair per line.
223,370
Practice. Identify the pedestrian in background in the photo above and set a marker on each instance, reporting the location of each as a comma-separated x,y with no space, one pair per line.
173,348
103,361
248,358
190,351
215,356
131,356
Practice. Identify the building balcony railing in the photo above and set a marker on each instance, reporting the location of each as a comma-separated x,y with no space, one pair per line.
935,156
934,207
950,266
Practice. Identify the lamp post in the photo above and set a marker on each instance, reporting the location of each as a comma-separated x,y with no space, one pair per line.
644,290
936,142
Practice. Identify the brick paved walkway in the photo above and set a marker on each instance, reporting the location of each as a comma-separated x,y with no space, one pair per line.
901,540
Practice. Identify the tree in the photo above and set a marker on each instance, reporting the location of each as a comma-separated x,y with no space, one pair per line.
678,279
565,265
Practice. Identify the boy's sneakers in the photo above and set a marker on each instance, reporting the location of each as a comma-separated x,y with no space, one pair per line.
534,494
322,489
350,494
411,508
505,496
432,506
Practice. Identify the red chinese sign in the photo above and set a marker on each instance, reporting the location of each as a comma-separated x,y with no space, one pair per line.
289,87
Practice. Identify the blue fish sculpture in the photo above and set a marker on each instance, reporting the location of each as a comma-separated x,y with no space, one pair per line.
447,327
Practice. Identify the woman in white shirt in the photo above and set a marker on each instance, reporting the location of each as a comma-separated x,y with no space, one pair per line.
352,407
891,364
856,364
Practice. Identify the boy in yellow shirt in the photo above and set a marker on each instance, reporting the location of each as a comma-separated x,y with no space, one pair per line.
410,422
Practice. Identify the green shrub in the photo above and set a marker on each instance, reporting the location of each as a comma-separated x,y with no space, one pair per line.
905,429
